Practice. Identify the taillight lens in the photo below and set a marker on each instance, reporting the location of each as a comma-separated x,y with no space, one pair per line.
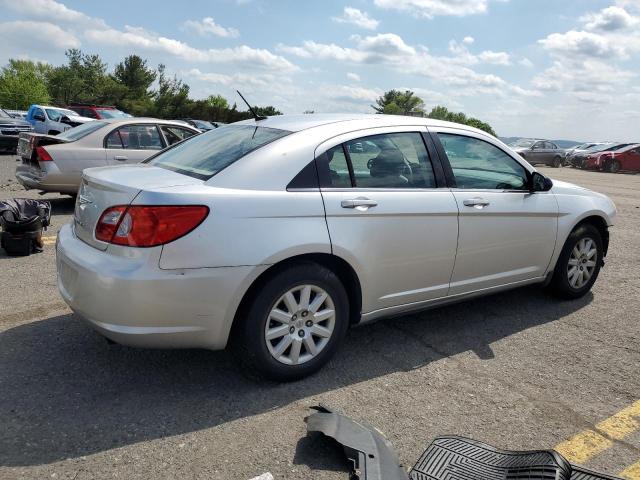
43,155
148,226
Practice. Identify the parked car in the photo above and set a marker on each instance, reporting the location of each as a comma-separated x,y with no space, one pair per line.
202,124
537,151
53,120
575,155
581,160
98,112
274,236
10,129
55,163
623,158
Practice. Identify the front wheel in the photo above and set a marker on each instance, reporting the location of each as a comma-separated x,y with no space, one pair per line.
579,263
295,323
557,162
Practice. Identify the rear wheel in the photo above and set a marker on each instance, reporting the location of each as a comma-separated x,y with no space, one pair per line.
579,263
295,323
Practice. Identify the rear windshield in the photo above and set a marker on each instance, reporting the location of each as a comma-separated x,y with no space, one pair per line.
205,155
76,133
111,113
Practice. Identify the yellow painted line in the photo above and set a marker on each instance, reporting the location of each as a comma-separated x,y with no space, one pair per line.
589,443
631,473
49,240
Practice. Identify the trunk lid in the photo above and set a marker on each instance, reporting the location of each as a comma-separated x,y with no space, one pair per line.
27,143
105,187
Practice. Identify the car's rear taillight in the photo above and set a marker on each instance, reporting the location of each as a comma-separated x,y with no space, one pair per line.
43,155
148,225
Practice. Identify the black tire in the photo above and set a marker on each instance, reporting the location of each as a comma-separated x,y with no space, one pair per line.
557,162
249,342
53,132
560,285
614,166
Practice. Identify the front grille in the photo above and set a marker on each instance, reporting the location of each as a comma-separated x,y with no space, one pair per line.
13,130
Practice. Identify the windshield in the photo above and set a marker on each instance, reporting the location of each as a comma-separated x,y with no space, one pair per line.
523,143
205,155
4,114
76,133
111,113
202,124
56,114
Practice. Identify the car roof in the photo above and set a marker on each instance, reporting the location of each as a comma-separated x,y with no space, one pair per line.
297,123
129,120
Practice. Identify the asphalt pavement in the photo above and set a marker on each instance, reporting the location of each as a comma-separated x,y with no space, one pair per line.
519,370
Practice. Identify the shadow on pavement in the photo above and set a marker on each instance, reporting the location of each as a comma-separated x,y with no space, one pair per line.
66,393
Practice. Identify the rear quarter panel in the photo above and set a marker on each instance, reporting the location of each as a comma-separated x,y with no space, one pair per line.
244,227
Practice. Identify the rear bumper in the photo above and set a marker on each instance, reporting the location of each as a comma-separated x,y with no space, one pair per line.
48,180
125,296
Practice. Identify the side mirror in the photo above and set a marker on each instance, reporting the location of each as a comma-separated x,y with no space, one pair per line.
540,183
65,119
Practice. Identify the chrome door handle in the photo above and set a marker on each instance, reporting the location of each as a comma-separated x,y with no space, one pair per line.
121,158
360,202
475,202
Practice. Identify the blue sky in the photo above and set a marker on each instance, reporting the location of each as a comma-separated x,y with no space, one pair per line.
547,68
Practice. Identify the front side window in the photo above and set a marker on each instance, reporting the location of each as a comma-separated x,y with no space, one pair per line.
206,154
390,160
477,164
175,134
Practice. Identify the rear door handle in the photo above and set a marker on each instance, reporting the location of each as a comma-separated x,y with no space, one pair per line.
361,203
121,158
475,202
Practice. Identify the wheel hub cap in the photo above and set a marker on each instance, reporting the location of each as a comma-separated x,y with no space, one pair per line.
300,324
582,262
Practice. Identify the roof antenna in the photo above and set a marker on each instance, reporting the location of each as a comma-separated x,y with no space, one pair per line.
253,112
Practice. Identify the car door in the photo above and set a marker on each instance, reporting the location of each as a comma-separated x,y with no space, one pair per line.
506,233
389,215
39,121
631,160
537,153
132,143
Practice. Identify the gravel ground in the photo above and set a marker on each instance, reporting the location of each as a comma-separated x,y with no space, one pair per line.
519,370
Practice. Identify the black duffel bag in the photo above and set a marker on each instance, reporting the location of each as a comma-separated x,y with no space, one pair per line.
23,220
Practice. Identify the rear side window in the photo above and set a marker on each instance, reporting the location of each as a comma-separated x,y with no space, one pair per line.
390,160
175,134
206,154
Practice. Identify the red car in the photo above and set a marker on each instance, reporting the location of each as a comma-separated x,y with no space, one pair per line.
625,156
98,112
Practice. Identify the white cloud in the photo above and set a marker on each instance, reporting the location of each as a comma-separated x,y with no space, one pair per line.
495,58
582,43
236,80
609,19
357,17
433,8
525,62
135,37
42,36
207,26
52,11
468,40
353,76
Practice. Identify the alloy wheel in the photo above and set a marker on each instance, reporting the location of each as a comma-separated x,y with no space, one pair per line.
300,324
582,262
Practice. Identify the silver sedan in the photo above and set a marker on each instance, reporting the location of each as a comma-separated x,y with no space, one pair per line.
54,163
275,236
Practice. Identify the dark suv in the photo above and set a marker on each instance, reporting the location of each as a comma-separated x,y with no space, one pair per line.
10,130
97,111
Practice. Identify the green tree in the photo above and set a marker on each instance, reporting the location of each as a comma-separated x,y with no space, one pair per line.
171,100
217,102
396,102
22,83
268,111
134,74
442,113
